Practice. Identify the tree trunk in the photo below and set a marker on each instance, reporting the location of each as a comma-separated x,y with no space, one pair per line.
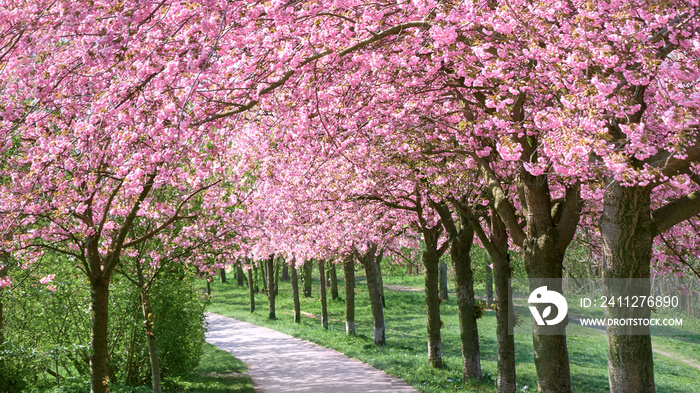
380,280
148,328
99,294
443,282
222,274
263,276
627,232
239,275
285,272
251,289
489,283
460,246
324,304
543,260
369,261
334,281
308,268
151,338
349,272
208,279
271,290
3,274
497,247
295,294
431,260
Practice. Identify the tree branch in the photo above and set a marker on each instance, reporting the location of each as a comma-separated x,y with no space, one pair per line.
676,211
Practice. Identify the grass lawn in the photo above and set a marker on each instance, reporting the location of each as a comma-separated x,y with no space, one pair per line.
405,355
218,372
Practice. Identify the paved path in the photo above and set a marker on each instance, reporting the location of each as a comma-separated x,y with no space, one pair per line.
280,363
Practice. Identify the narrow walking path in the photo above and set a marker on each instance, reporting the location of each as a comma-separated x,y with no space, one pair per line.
279,363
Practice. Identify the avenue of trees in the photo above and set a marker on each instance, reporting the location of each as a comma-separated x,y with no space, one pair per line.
140,140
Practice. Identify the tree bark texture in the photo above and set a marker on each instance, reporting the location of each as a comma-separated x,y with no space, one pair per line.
349,273
334,280
285,272
497,247
488,282
295,294
239,276
99,294
251,290
627,231
370,260
222,275
151,338
271,287
308,268
543,260
324,303
460,246
444,295
431,260
380,281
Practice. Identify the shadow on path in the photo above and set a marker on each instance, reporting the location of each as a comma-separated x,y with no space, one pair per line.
278,362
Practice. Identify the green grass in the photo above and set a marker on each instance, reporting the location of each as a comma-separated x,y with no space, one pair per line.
405,355
218,372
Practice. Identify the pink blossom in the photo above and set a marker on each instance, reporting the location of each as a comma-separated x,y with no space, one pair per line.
47,279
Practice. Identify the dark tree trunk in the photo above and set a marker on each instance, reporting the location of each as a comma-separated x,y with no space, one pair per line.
149,330
324,304
370,260
256,276
151,338
295,294
444,295
3,274
271,289
285,272
349,272
334,281
239,276
460,246
308,268
627,232
208,279
497,248
222,274
489,283
380,280
99,294
263,276
251,290
431,260
543,260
